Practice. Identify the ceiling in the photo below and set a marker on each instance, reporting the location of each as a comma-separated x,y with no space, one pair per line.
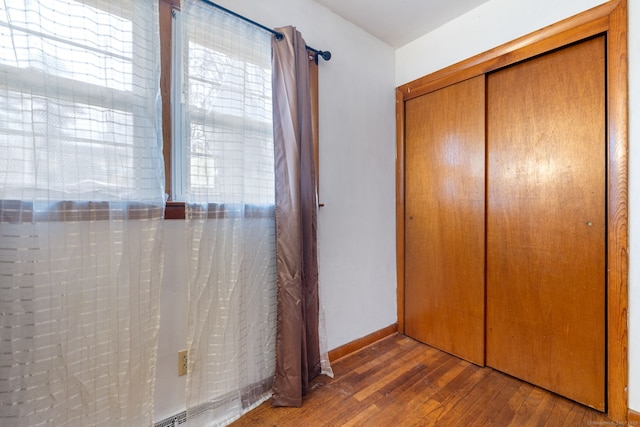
398,22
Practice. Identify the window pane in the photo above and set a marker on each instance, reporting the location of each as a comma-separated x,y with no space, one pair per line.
78,91
228,137
68,39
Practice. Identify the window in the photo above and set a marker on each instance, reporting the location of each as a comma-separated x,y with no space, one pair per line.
187,165
223,129
91,87
76,78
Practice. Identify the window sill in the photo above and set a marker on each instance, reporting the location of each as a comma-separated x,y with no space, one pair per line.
177,210
174,210
20,211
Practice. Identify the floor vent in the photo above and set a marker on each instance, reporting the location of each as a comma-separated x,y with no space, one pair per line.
228,407
175,420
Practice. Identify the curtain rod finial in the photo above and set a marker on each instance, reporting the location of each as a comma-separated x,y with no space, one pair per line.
326,55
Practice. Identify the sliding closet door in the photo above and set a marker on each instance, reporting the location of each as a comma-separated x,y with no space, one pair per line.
546,221
444,264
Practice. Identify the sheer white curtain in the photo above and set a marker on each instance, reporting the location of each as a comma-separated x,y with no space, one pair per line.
81,202
229,192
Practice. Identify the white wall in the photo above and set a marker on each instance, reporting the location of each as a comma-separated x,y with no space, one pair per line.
172,337
500,21
356,227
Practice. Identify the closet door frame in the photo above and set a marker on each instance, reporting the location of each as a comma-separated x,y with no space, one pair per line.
610,19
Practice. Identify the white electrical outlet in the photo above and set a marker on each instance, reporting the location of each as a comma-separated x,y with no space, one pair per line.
183,362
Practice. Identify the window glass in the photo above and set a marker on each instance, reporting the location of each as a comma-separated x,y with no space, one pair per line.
227,131
78,86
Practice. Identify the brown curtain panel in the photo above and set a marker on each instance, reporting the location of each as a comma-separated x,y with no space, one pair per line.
297,343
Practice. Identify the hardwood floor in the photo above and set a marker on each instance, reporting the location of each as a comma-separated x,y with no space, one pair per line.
401,382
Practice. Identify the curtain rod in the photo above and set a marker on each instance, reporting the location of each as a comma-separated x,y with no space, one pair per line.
325,54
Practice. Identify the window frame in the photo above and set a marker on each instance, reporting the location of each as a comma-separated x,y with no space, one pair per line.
75,92
176,209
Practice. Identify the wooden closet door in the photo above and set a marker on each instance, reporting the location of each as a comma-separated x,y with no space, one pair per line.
444,205
546,221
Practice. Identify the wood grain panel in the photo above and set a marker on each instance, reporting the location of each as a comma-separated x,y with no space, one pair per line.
618,221
165,22
400,154
315,126
444,219
612,18
546,221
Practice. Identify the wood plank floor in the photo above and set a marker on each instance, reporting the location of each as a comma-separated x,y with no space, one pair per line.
401,382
